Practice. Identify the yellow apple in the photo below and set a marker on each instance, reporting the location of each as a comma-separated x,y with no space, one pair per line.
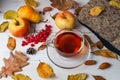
65,20
29,13
19,27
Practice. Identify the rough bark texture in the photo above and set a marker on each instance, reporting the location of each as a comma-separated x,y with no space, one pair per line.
107,24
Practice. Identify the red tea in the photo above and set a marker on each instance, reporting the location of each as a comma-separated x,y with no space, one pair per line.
68,42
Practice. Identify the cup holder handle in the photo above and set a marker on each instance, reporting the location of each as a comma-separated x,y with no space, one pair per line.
50,41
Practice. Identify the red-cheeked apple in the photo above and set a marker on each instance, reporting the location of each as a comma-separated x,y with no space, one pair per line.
19,27
65,20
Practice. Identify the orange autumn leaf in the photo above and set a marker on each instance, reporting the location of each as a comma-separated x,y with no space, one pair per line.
44,70
11,43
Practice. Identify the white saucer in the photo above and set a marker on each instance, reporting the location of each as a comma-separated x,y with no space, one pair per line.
70,62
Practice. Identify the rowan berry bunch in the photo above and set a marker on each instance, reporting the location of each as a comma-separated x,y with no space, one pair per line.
41,36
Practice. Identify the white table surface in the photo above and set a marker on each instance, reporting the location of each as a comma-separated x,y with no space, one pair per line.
112,73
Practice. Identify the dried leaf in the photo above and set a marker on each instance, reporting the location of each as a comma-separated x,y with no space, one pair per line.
99,45
89,40
63,4
41,47
105,53
104,65
44,70
97,77
4,26
10,14
32,3
96,10
80,76
11,43
20,77
115,3
90,62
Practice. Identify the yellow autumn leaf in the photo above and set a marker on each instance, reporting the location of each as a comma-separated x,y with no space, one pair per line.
79,76
44,70
105,53
21,77
10,14
96,10
4,26
114,3
31,3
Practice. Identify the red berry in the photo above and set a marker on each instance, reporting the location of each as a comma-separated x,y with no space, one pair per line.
32,45
41,36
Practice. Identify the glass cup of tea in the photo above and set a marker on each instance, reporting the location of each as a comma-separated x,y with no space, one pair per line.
68,42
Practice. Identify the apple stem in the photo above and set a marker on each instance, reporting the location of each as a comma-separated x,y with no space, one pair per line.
64,16
17,22
33,27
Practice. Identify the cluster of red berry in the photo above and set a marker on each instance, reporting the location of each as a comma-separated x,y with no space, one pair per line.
41,36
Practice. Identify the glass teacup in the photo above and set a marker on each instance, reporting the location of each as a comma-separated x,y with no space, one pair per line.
68,42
